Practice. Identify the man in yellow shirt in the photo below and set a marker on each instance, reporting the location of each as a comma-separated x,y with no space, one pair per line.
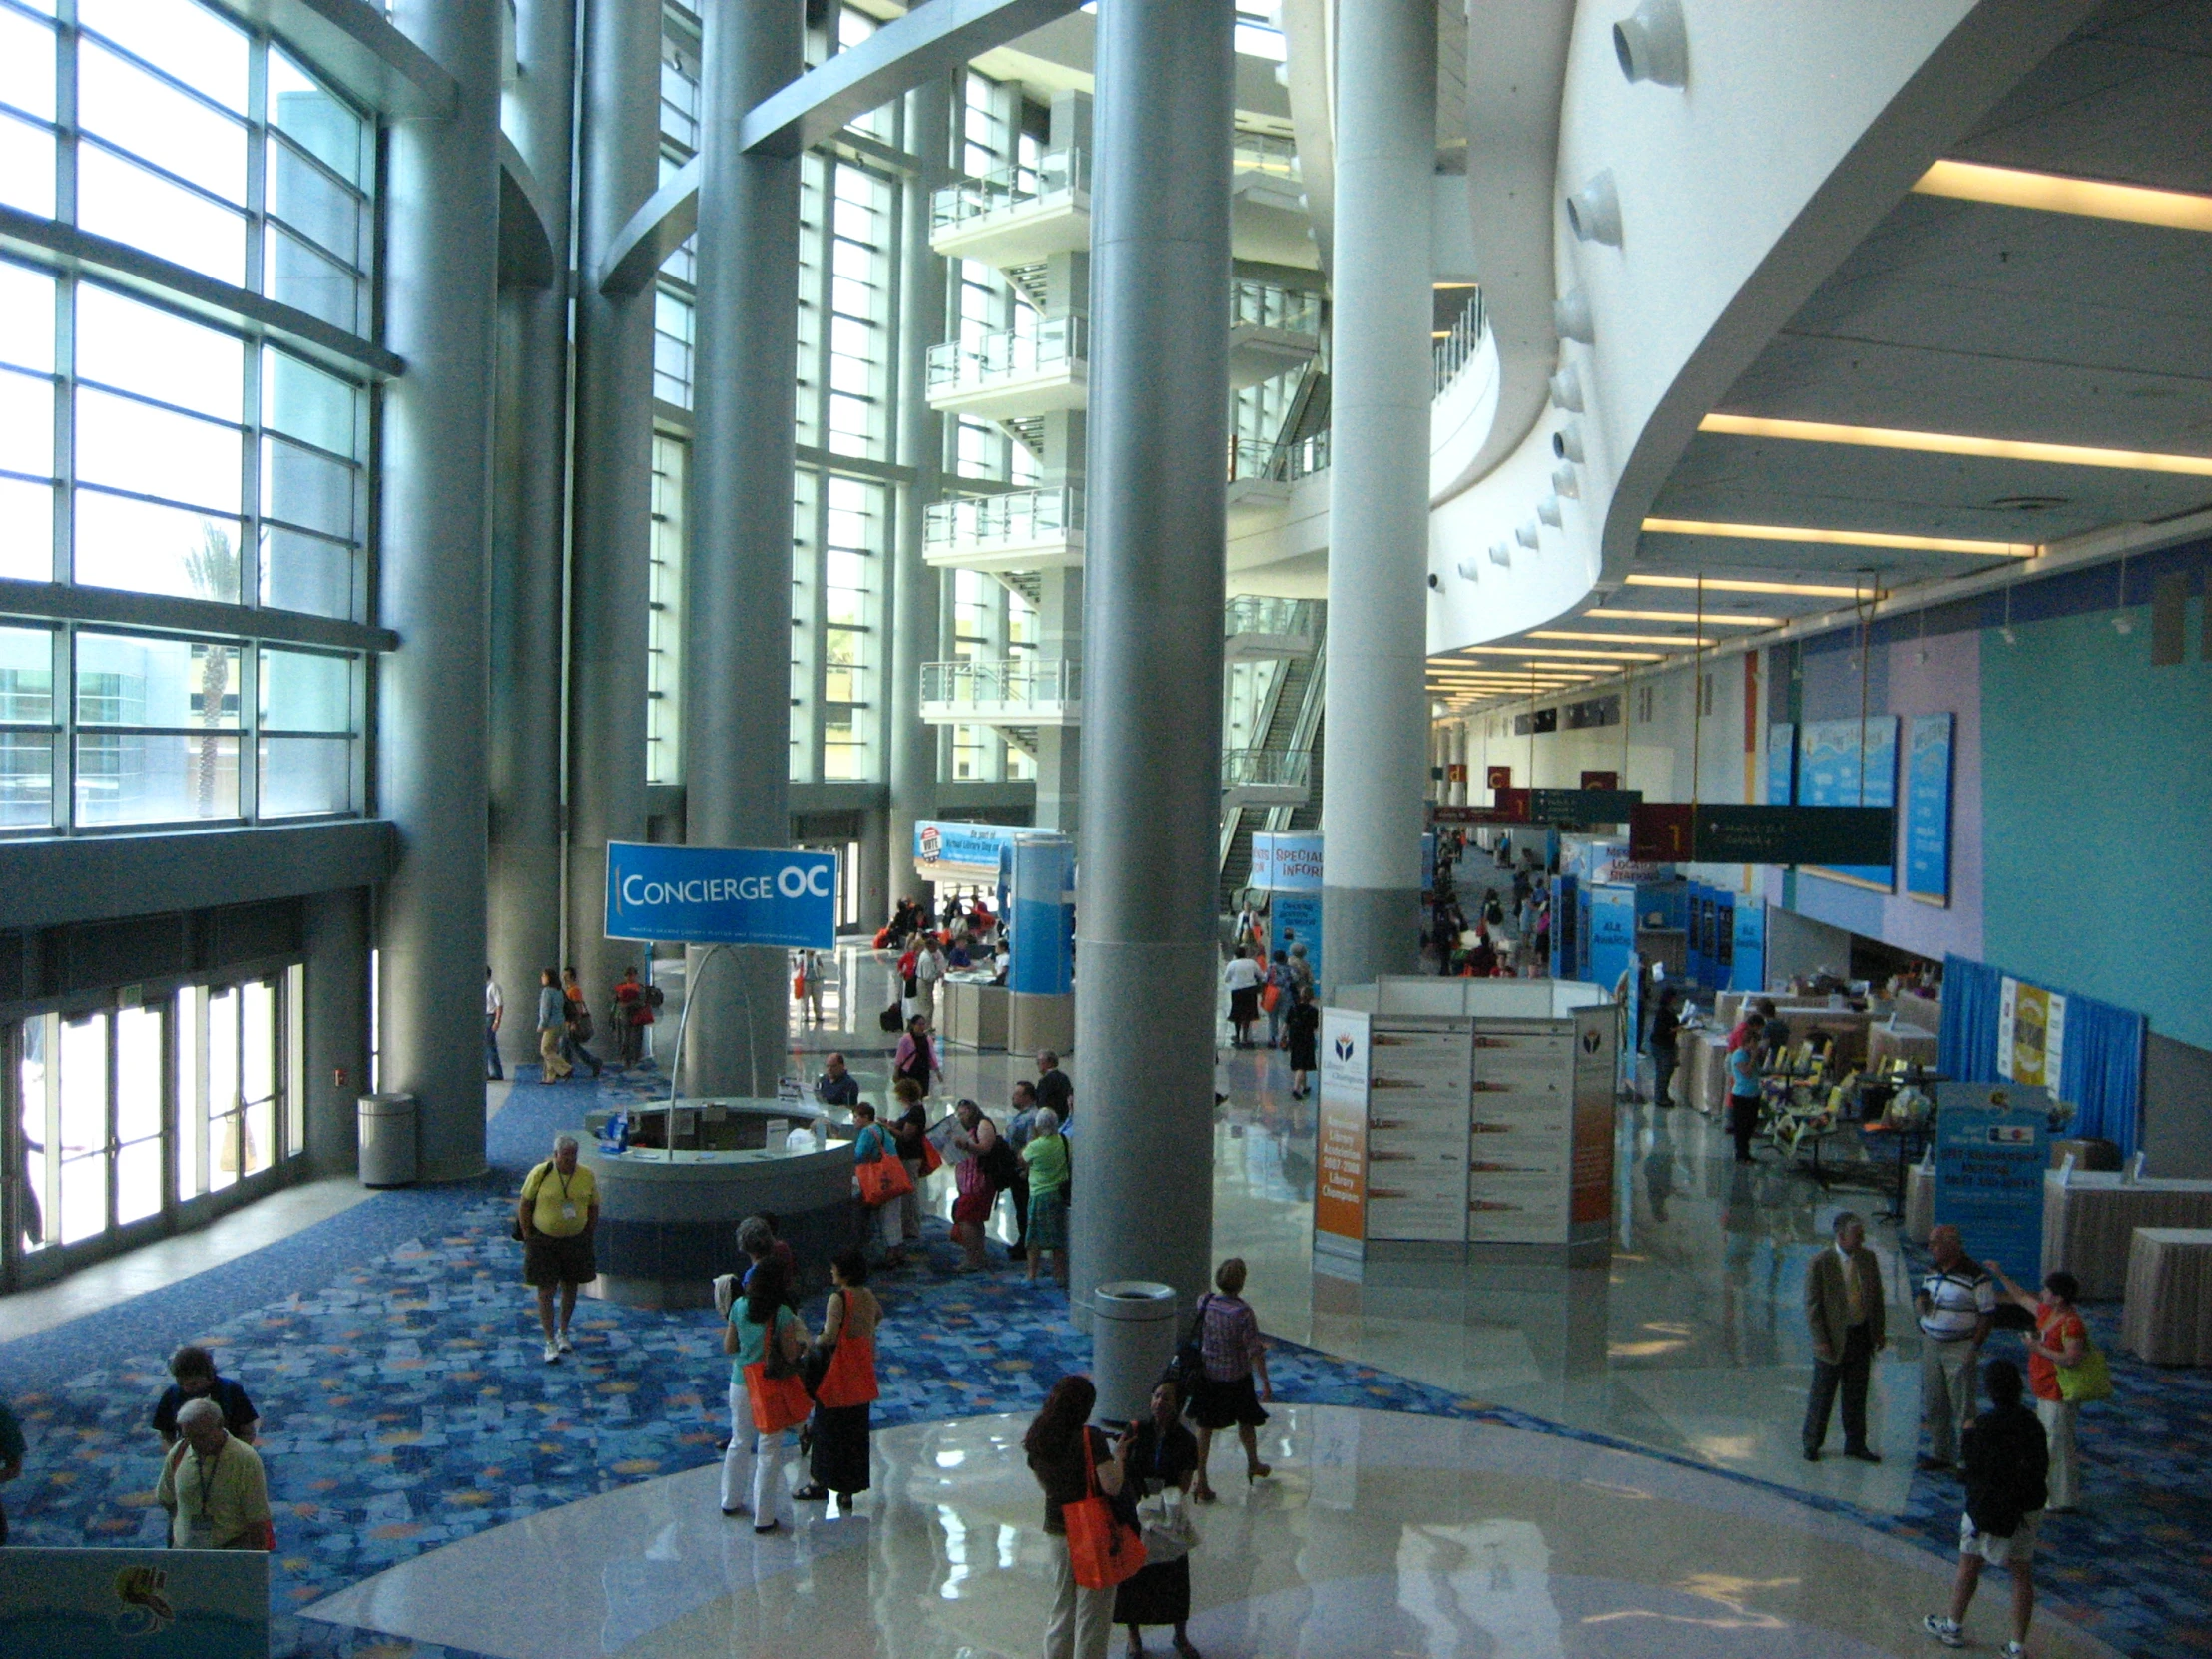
558,1215
211,1485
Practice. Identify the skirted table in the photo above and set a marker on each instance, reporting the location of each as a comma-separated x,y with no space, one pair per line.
2168,1317
2089,1223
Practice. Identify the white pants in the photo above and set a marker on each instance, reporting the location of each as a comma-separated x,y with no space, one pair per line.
753,1467
1947,1375
2065,1462
1082,1620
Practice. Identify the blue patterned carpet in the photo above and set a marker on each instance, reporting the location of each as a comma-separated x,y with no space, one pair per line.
394,1356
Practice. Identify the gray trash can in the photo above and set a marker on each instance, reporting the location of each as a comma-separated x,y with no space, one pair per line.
387,1140
1132,1341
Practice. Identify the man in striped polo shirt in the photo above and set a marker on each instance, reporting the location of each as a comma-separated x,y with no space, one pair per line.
1957,1306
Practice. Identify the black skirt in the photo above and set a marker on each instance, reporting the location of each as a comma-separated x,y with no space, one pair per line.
1159,1593
1231,1404
838,1463
1303,1055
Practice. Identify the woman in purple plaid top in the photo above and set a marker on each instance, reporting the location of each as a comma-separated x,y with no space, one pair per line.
1229,1335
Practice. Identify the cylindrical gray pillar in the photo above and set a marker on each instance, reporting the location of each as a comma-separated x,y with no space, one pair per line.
1376,736
528,538
736,663
619,166
337,1034
917,588
442,269
1154,551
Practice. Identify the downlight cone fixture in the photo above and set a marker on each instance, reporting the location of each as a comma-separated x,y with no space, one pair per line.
1594,210
1527,534
1566,390
1653,44
1565,483
1548,510
1570,317
1567,443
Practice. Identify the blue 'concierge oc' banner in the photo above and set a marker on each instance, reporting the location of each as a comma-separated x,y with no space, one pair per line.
722,896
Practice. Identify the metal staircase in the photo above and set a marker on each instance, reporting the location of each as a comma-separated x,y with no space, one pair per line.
1293,727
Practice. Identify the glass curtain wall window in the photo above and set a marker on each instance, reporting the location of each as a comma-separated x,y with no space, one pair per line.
122,1114
664,631
674,296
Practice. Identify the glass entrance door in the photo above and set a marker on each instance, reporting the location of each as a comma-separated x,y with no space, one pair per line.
90,1135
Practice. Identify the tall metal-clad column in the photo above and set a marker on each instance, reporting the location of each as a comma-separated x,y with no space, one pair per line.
1152,621
441,269
619,166
528,540
917,588
1375,738
736,663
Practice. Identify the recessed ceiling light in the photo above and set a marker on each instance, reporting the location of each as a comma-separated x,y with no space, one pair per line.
1840,538
2010,187
1686,641
2030,503
1957,443
1721,584
1686,618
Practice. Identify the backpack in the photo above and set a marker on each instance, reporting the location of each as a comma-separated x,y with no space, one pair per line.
653,997
1001,1165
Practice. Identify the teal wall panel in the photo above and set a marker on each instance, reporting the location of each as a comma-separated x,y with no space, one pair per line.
2097,816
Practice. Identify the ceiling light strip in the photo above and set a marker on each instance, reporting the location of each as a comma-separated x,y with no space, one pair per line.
1712,619
1957,443
1685,642
1736,585
1840,538
2054,193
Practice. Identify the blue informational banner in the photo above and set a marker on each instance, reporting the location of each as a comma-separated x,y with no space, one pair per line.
1428,861
1928,808
135,1603
1782,763
1747,968
1043,900
1851,762
949,851
1991,1151
1294,919
1286,862
1612,935
722,896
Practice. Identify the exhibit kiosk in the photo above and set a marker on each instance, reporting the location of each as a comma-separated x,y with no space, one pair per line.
1466,1119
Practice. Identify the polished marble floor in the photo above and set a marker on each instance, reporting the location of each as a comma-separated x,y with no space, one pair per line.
1380,1535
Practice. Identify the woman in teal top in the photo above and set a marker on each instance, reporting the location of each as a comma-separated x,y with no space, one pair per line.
1743,1086
1046,1154
753,1468
872,1143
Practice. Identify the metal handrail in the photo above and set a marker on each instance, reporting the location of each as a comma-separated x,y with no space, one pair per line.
1457,349
1266,767
1264,153
1010,355
1017,517
1056,172
1282,462
1018,680
1265,305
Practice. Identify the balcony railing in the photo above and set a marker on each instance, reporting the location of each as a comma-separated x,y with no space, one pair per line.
1263,305
1265,769
1059,173
999,689
1251,458
1018,519
1457,349
1264,153
993,359
1255,613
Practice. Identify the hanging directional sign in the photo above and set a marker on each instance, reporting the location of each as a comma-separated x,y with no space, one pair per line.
1673,832
1582,806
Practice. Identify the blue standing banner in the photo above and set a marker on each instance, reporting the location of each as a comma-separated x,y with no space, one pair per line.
1928,808
1992,1146
769,896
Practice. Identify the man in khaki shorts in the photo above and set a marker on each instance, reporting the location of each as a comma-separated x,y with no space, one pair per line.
2006,1462
558,1213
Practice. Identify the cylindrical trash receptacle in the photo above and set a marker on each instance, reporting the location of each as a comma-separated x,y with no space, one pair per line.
1132,1341
387,1140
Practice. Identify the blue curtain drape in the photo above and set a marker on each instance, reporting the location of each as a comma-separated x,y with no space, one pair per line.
1967,1046
2102,1072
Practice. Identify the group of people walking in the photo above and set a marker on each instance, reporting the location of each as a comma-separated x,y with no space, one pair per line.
565,1026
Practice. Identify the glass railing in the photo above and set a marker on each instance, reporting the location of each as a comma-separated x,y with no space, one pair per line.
1012,520
1457,349
971,365
1264,153
1001,687
1255,613
1251,458
1059,173
1263,305
1266,769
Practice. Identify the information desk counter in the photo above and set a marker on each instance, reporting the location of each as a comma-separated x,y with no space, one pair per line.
668,1219
973,1013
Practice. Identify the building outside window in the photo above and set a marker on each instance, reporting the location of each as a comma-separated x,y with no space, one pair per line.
664,627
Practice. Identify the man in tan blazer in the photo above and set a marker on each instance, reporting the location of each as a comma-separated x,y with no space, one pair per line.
1843,1305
